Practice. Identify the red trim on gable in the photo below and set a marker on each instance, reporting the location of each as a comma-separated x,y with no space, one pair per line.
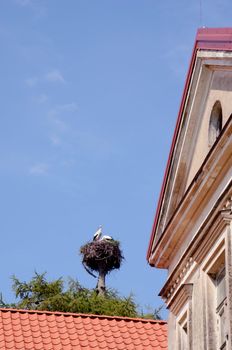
206,39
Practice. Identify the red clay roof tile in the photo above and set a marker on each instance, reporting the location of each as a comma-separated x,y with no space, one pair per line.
43,330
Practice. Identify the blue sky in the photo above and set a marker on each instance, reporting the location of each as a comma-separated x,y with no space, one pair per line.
90,92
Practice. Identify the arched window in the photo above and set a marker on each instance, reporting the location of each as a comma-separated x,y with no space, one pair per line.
215,123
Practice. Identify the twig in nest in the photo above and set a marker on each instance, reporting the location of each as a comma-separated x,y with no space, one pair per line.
89,271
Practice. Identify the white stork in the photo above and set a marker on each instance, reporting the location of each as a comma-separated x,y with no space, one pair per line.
98,236
106,238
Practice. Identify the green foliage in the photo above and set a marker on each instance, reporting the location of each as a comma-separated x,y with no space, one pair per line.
152,313
37,292
3,303
40,294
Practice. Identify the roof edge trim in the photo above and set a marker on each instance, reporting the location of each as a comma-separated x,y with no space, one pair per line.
59,313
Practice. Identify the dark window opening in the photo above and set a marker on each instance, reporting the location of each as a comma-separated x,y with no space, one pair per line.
215,123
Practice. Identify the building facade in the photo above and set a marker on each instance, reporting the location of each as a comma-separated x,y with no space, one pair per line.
192,232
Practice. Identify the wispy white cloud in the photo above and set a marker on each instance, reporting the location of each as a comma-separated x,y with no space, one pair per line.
62,109
39,169
68,107
31,81
60,123
54,76
23,2
41,98
55,140
68,162
177,59
37,7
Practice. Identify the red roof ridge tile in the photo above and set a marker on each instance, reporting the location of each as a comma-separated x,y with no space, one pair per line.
57,313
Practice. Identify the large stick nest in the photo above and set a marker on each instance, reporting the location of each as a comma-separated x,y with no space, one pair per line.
102,255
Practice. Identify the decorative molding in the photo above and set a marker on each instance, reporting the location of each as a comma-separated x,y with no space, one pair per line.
182,297
205,239
228,205
176,283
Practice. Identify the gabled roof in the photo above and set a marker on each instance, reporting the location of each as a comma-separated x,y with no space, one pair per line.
43,330
217,39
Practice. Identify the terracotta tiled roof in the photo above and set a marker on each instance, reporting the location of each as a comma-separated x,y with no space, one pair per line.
42,330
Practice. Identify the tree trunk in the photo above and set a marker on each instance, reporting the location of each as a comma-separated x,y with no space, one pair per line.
101,285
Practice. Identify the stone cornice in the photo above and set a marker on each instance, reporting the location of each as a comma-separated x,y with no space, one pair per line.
182,297
211,229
